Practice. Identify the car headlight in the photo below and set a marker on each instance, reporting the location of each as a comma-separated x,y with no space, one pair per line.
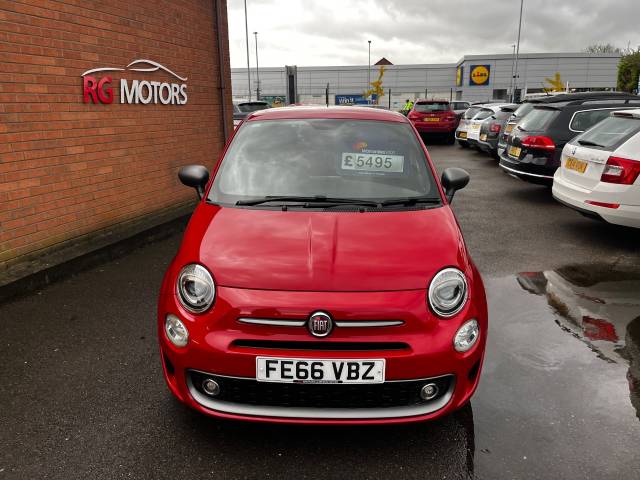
176,331
196,289
466,336
448,292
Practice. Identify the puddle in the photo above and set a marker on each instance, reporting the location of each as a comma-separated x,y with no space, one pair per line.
559,395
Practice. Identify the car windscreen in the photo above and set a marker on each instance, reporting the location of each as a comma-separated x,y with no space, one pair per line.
537,119
610,132
344,158
249,107
483,114
471,112
431,107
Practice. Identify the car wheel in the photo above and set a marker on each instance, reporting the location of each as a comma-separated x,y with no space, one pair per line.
451,139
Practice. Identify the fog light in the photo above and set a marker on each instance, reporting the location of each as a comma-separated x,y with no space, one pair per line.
429,391
210,387
176,331
466,336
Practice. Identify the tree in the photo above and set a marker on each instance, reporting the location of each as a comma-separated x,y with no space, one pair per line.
602,48
628,71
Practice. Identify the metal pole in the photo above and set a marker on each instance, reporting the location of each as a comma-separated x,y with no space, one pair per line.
389,99
515,68
257,69
513,57
246,32
369,72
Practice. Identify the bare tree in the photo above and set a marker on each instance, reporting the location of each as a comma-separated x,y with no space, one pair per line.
602,48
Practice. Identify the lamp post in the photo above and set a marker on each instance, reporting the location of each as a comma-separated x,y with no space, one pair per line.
257,69
369,72
515,68
246,33
513,58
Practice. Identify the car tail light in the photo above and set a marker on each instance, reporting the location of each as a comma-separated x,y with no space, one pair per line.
602,204
449,118
495,127
538,142
620,170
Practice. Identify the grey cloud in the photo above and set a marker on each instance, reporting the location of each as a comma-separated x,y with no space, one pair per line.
420,31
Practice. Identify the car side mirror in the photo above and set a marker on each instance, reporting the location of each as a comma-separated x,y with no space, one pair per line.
195,176
454,179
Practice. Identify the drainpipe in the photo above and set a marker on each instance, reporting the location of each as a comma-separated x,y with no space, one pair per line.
222,88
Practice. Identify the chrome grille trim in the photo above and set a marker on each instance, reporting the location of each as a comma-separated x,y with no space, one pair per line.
321,413
275,322
284,322
368,323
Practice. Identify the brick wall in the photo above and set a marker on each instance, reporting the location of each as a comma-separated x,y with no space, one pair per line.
69,169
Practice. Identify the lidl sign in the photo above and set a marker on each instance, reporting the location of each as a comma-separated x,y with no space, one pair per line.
479,75
459,74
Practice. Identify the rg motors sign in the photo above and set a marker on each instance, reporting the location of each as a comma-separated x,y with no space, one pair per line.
97,89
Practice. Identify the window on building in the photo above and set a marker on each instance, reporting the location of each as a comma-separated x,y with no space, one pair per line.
500,93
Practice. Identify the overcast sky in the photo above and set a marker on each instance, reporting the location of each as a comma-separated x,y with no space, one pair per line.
335,32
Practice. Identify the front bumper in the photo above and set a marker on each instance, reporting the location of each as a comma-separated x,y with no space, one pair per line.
416,351
574,196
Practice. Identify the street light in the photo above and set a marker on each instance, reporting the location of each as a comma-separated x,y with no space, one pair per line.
246,33
515,69
369,71
257,69
513,57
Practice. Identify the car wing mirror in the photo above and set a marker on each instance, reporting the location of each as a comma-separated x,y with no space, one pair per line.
454,179
195,176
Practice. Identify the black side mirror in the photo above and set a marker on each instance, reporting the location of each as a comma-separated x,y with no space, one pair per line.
454,179
195,176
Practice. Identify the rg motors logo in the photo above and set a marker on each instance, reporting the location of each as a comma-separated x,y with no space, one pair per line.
100,89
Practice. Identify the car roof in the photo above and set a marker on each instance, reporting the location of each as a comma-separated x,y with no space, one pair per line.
352,113
432,100
568,97
632,113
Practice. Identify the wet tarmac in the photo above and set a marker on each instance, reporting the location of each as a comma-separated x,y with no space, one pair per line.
83,396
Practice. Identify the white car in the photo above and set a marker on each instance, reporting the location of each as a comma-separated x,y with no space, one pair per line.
599,174
475,123
463,126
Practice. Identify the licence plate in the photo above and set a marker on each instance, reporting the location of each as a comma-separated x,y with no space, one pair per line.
483,137
305,370
514,151
575,164
475,127
508,128
431,119
462,135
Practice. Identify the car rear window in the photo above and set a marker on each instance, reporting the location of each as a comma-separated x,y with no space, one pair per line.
610,132
523,109
361,159
431,107
460,105
252,107
584,120
483,113
502,114
537,119
471,112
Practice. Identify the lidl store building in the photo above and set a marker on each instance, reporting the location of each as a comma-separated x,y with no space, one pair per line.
474,77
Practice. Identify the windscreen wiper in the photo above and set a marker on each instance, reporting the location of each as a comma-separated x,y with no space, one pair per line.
314,199
590,143
409,201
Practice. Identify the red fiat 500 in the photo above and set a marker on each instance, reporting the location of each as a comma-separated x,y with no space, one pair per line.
323,277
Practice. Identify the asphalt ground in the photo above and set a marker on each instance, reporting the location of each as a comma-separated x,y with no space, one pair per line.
83,395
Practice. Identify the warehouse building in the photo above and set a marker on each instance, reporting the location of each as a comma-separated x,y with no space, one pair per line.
474,77
100,104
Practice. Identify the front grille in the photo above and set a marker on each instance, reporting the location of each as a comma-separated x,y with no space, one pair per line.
320,345
382,395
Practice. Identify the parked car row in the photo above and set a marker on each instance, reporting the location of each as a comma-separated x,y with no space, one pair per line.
586,146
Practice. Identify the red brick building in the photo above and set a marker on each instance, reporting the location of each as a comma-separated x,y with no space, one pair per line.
87,159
